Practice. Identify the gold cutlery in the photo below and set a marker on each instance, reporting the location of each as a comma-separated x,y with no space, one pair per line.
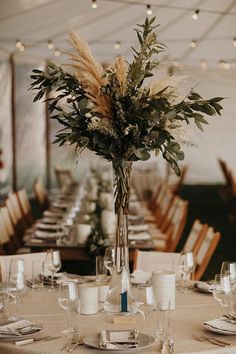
211,340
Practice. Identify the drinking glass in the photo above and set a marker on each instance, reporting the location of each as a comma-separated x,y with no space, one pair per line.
222,292
37,274
16,284
144,301
53,264
101,272
186,267
109,259
68,300
229,268
3,298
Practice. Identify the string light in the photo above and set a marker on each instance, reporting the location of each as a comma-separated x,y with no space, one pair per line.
234,42
149,10
221,64
57,53
204,65
18,43
195,14
94,4
117,45
193,44
50,44
22,47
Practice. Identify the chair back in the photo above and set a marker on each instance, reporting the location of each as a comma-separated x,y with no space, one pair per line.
25,206
149,261
64,177
196,233
40,193
28,258
205,251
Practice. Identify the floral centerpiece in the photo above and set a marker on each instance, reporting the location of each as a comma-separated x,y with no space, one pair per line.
120,117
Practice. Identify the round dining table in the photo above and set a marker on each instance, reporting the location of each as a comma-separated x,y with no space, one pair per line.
192,309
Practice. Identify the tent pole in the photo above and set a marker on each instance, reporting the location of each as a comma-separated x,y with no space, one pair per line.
13,122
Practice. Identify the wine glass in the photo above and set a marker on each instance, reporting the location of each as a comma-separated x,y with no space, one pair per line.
186,267
109,258
16,283
68,300
144,301
222,291
229,268
53,264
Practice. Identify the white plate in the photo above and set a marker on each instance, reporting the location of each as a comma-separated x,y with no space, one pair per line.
144,342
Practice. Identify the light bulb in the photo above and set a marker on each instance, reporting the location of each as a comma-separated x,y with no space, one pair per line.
117,45
50,44
221,64
203,65
22,47
18,43
57,53
94,4
193,44
234,42
227,66
149,10
195,14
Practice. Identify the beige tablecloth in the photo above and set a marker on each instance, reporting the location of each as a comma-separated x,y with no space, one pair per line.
191,310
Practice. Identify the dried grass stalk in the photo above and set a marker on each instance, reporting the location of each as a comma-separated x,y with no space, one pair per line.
120,68
89,72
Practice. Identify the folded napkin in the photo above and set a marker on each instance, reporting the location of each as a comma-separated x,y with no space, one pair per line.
221,324
202,286
52,214
138,228
47,234
141,236
118,339
21,327
140,277
49,227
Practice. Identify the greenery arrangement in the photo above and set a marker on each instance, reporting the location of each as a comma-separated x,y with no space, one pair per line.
113,112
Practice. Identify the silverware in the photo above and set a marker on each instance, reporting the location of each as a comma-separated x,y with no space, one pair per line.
211,340
171,345
79,342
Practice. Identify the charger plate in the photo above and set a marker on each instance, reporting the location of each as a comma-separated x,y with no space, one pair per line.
144,341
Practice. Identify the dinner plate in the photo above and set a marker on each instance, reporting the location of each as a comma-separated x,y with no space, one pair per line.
144,341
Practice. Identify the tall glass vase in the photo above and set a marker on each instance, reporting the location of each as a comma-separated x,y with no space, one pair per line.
120,297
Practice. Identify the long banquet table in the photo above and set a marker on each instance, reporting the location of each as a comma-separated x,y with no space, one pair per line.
191,310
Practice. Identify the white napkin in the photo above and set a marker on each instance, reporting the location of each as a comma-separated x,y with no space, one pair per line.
140,277
47,234
118,339
138,228
141,236
221,324
202,286
53,227
21,327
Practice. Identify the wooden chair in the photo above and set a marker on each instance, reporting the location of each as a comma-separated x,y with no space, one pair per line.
64,177
25,206
28,258
195,236
149,261
10,228
204,251
40,193
6,243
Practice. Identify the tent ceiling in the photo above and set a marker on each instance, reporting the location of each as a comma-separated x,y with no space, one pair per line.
36,21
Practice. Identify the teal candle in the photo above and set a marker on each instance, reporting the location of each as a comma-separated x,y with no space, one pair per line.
124,302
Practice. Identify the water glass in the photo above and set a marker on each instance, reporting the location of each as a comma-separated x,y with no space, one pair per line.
68,299
222,292
109,259
52,264
3,299
37,274
16,284
186,267
163,332
229,268
101,271
145,302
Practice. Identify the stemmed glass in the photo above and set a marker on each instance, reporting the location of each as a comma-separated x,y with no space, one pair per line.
145,301
53,264
186,267
229,268
16,283
109,259
68,300
222,291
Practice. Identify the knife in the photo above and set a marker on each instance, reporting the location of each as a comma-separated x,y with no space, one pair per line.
32,340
